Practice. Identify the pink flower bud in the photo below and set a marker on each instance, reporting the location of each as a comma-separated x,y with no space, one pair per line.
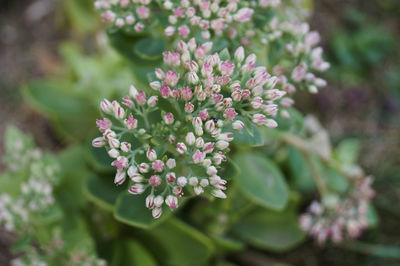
208,147
184,31
114,143
181,147
203,114
141,98
131,171
193,181
192,77
120,163
172,202
130,123
170,177
155,180
119,178
199,142
156,212
158,166
150,201
143,12
210,126
143,168
189,107
198,156
226,68
259,119
106,106
168,118
230,114
98,142
171,78
151,154
136,189
270,123
152,101
125,146
238,125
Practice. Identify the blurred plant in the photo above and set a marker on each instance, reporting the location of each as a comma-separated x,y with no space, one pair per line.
28,206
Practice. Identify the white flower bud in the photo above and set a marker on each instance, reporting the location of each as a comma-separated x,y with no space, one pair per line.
222,145
151,154
190,138
155,85
204,182
182,181
239,54
158,201
218,194
193,181
119,178
156,212
125,146
133,92
238,125
199,142
150,201
171,163
211,170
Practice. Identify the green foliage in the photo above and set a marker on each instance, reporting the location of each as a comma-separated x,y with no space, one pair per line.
261,180
270,230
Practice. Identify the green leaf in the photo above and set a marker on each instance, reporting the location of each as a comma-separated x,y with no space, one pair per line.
229,170
270,230
181,244
224,55
102,191
261,180
130,209
149,49
228,245
51,97
250,135
300,171
348,150
99,159
132,253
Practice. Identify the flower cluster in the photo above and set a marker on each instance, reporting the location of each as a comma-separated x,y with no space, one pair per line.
200,98
36,258
211,18
36,173
339,218
132,14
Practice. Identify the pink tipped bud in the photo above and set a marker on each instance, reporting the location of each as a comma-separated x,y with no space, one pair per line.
168,118
152,101
143,168
155,85
106,106
181,147
150,201
98,142
171,177
172,202
219,194
238,125
156,212
222,145
198,156
239,54
158,166
151,154
211,171
155,180
119,178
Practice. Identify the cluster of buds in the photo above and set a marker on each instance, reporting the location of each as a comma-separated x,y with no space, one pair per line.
339,218
212,18
200,99
35,194
57,252
130,14
302,58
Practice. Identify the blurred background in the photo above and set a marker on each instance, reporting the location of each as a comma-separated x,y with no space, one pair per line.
42,38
